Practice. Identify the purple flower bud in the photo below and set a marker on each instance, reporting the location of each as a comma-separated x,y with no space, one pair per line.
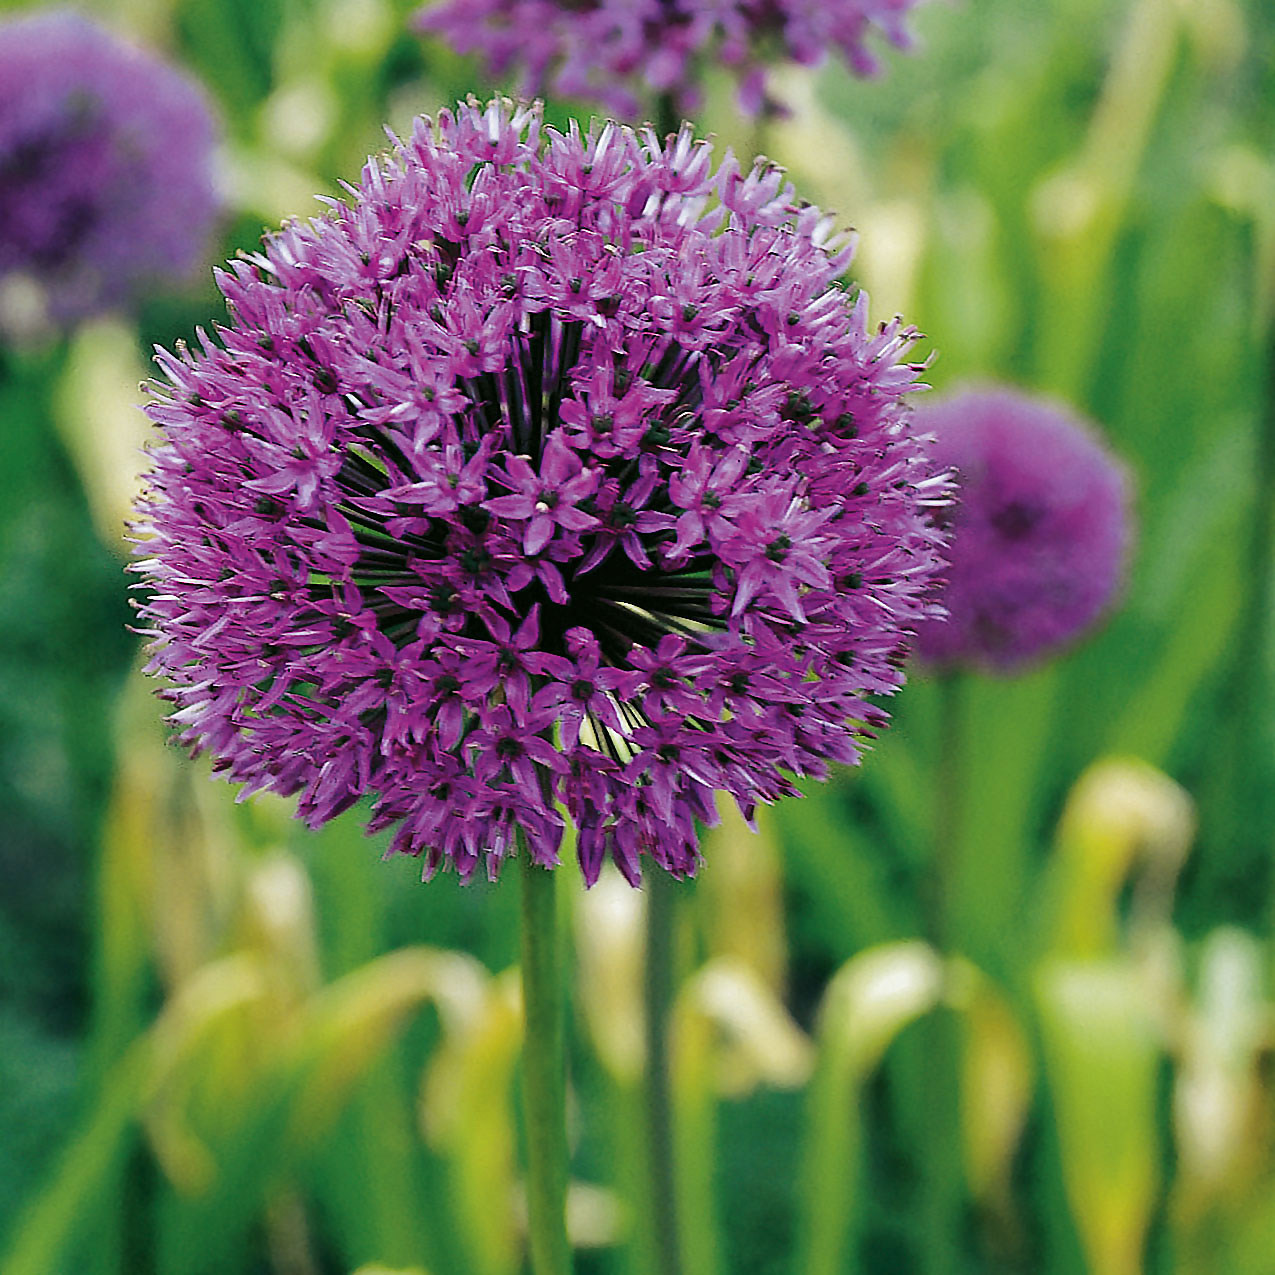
427,527
105,176
615,51
1039,536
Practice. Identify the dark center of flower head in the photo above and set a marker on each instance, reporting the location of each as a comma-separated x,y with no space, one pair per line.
621,603
32,176
1016,520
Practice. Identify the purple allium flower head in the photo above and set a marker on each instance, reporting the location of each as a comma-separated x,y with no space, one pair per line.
105,177
552,472
610,50
1040,533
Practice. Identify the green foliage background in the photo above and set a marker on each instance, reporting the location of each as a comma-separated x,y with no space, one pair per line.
227,1045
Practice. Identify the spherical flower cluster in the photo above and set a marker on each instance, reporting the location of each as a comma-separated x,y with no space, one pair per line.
105,179
552,471
610,50
1040,533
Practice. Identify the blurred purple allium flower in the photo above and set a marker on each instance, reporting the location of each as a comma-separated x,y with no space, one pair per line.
105,178
611,50
550,471
1040,533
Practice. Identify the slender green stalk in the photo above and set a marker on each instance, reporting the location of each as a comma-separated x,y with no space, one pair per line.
694,1147
941,1191
658,988
544,1072
626,1112
943,878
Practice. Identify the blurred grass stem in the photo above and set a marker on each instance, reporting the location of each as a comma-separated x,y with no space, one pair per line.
658,992
1254,673
943,878
544,1072
668,118
941,1182
1082,209
1239,800
1253,658
45,1234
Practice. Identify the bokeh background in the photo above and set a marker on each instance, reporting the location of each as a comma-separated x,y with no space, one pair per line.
229,1045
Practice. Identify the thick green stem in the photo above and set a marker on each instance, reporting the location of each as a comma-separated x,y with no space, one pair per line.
544,1073
941,1203
658,991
